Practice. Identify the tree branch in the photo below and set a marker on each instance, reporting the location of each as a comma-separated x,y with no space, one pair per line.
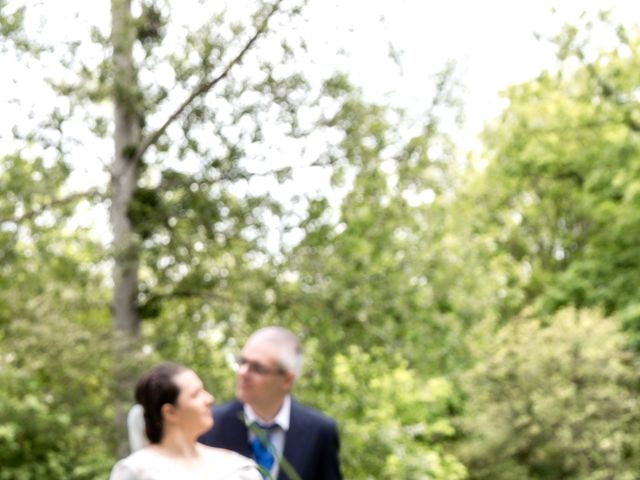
53,203
608,92
147,308
204,87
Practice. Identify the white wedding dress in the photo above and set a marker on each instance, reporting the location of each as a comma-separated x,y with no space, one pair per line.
216,464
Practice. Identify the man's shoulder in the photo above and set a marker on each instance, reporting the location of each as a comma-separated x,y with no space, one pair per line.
227,424
311,415
228,409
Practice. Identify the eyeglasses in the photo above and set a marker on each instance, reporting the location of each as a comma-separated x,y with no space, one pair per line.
258,368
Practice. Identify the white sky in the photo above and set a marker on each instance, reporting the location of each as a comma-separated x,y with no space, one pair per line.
492,42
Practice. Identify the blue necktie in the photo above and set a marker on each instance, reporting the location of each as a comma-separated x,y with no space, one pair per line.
261,446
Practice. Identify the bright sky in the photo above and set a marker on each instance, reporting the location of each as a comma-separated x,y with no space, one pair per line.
492,42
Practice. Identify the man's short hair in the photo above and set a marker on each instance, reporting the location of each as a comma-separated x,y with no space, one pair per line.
290,355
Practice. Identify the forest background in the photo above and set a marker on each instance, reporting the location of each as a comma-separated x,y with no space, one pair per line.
464,314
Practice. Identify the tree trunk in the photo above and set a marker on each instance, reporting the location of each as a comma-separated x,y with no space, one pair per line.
130,146
124,179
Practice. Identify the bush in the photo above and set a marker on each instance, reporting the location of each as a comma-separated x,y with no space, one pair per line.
556,400
55,403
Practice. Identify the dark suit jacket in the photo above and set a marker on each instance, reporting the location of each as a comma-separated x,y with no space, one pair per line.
311,444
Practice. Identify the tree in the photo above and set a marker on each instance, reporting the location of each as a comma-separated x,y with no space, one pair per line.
558,193
185,145
55,367
551,398
371,271
131,114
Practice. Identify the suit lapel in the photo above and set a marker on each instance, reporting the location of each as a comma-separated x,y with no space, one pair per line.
237,435
291,450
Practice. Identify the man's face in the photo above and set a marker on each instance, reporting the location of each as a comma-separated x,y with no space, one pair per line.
261,381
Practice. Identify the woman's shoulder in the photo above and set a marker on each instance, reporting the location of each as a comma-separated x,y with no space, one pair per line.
146,464
230,465
224,456
137,466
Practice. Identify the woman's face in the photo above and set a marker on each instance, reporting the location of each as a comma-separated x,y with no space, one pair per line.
193,407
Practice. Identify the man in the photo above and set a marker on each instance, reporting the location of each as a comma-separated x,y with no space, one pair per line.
270,362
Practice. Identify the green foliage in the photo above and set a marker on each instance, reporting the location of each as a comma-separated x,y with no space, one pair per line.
559,192
55,401
56,397
373,272
12,30
29,186
392,422
47,266
552,399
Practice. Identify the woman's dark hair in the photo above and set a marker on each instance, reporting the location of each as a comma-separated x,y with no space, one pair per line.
153,390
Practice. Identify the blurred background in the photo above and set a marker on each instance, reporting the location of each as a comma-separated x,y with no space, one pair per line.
442,201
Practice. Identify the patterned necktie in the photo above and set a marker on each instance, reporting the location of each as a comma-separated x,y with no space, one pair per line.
261,446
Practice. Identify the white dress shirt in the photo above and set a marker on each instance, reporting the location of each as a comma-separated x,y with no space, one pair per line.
277,436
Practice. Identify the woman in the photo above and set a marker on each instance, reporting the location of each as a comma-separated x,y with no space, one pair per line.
177,410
